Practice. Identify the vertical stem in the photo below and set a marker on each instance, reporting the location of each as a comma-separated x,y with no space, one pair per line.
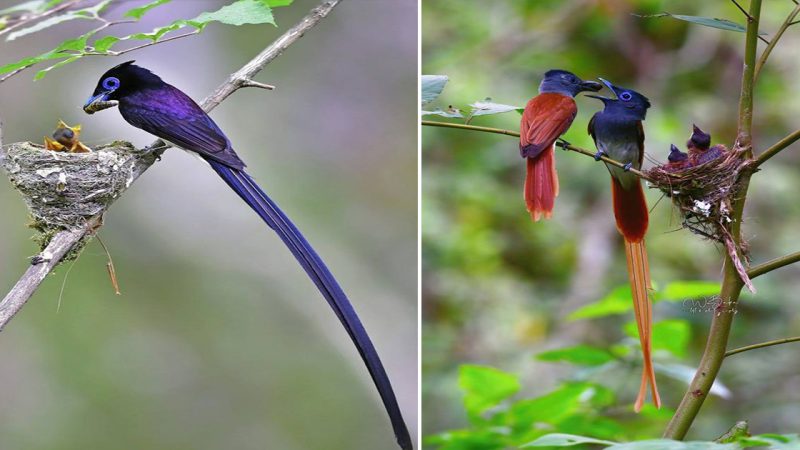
714,352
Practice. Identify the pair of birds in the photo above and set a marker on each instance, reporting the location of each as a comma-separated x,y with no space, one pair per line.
147,102
699,152
618,133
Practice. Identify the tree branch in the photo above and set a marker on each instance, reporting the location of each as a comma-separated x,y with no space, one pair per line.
773,264
732,284
63,241
776,148
774,41
562,144
762,345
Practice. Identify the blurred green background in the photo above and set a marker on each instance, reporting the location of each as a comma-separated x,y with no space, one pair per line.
219,339
497,288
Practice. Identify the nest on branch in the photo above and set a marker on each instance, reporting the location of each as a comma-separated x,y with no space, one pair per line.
703,194
64,190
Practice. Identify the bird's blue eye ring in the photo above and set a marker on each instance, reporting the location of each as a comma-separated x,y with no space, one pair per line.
625,96
111,83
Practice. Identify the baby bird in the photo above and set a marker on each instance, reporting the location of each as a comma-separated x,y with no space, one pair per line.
65,139
678,160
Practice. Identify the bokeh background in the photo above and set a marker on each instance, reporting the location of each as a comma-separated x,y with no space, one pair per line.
497,288
219,339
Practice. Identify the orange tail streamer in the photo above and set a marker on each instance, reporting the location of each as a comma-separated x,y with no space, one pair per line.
630,210
541,185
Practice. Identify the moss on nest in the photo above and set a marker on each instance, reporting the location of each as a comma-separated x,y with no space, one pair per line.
64,190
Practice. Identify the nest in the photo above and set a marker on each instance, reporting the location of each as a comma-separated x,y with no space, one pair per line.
64,190
703,195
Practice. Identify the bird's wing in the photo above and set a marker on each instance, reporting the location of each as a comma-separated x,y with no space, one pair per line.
174,117
546,117
640,141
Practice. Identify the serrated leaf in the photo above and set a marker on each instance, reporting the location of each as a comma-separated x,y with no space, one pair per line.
43,25
488,107
432,87
564,440
670,335
41,74
485,387
452,113
140,11
685,374
104,44
239,13
583,355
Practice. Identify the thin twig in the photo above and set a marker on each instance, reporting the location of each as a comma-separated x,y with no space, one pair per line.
63,241
773,264
564,145
732,284
749,17
34,18
774,41
776,148
762,345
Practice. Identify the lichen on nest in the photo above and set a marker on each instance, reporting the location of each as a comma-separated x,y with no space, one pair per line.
64,190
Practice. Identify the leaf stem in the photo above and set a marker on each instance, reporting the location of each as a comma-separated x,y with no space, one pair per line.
773,264
776,148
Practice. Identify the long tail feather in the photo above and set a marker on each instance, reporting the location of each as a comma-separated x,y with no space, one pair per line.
255,197
541,185
630,211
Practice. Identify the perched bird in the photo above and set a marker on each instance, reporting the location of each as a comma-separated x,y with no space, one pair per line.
65,139
148,103
699,151
546,117
617,132
677,160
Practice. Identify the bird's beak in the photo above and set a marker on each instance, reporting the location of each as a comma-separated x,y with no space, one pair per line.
609,85
673,149
591,86
600,86
99,102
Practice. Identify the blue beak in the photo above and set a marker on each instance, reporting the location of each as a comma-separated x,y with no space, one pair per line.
609,86
98,102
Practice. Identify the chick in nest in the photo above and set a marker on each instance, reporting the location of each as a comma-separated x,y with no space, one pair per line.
677,160
65,139
700,150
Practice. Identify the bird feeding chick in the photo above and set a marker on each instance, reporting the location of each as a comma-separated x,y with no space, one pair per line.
65,139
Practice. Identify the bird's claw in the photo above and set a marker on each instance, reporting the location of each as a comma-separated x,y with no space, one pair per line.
627,167
599,155
563,143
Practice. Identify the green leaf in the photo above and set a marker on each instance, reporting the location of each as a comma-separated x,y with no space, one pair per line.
670,335
564,440
487,107
616,302
40,74
432,86
485,387
239,13
47,23
452,113
553,407
104,44
583,355
668,444
140,11
722,24
774,441
684,290
156,34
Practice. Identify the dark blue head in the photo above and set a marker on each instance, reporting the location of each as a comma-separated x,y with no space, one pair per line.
676,155
118,82
700,139
628,102
566,83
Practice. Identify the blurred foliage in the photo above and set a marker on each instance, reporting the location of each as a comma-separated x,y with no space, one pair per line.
498,288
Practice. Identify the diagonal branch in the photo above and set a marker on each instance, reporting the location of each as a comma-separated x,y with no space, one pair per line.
64,241
773,264
777,148
762,345
774,41
563,144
